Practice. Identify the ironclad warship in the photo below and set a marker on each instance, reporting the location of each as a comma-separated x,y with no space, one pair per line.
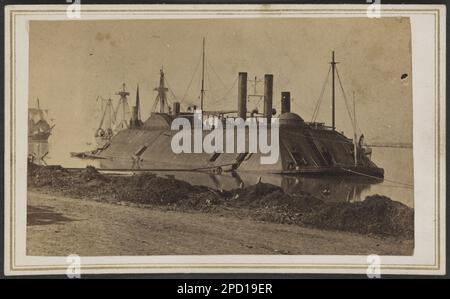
305,148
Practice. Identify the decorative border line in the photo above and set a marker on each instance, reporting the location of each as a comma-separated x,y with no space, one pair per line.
273,11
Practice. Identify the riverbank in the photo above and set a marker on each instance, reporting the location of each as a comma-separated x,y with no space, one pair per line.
59,226
375,218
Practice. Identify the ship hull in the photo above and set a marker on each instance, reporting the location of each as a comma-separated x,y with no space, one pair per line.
39,136
102,141
375,173
302,151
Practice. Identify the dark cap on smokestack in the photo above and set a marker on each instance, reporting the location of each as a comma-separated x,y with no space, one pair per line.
285,102
268,94
242,95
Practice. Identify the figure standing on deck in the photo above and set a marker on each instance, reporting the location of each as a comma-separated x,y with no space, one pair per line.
361,141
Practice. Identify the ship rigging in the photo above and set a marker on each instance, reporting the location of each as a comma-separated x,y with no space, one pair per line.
306,148
113,119
38,127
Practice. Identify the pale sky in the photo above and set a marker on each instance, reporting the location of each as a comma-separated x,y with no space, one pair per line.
73,62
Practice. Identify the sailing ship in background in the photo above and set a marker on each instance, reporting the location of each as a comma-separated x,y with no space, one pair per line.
113,119
39,131
38,127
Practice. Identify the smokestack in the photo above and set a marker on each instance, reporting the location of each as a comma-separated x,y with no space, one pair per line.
176,108
268,93
285,102
242,95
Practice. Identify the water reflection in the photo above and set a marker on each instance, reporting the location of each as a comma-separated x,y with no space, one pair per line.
38,152
330,189
326,188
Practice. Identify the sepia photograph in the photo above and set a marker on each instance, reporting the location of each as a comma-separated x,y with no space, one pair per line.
264,136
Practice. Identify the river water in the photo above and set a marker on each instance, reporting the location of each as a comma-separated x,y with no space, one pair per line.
397,164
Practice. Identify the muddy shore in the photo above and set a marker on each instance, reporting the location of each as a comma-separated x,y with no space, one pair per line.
375,216
60,226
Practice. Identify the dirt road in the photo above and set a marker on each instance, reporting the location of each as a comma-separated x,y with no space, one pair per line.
62,226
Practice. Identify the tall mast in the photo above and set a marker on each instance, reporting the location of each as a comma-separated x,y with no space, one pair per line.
203,76
138,103
110,113
162,94
161,89
333,68
123,103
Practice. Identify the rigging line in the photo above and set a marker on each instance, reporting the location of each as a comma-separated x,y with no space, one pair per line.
345,97
116,110
229,90
332,140
155,102
394,186
210,89
197,96
168,102
192,79
208,86
362,174
259,101
214,96
319,101
170,89
386,180
217,75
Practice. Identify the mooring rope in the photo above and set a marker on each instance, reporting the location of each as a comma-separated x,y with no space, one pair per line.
374,177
